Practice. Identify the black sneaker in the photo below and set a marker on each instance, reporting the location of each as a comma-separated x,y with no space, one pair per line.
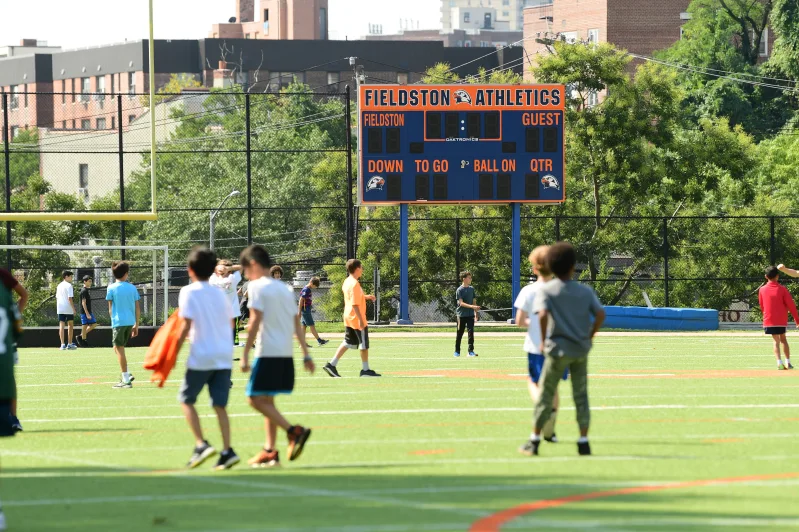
16,426
584,448
331,370
370,373
308,345
322,342
200,455
552,439
530,447
227,460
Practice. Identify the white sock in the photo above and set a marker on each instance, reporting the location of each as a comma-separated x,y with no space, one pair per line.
534,437
779,363
126,377
583,440
365,366
334,362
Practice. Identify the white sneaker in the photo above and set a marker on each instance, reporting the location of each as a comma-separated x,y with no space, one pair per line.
72,347
63,347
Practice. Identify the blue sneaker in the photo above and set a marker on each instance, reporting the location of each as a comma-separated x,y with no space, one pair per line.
71,347
456,355
472,354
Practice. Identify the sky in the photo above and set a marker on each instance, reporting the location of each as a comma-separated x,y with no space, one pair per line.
82,23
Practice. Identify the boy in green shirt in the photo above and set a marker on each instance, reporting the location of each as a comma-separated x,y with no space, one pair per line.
466,311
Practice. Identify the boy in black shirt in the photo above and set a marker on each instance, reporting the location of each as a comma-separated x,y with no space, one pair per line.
88,320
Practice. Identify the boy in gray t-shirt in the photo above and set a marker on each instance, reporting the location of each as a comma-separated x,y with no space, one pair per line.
571,315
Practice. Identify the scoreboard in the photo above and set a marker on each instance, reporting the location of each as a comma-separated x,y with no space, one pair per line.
461,144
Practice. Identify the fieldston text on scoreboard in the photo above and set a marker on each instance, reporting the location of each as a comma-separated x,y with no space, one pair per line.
461,144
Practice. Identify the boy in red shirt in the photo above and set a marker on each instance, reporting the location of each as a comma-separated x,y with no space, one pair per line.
775,303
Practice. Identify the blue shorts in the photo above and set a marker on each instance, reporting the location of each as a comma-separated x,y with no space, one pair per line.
66,318
306,317
271,376
536,364
84,320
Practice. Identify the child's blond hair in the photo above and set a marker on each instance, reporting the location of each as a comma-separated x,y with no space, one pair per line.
538,260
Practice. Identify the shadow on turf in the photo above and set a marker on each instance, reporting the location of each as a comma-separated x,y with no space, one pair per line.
84,500
86,431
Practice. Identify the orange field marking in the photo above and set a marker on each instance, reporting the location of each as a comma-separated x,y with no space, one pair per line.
494,522
427,452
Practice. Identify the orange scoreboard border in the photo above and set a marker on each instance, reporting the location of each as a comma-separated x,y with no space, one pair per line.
458,97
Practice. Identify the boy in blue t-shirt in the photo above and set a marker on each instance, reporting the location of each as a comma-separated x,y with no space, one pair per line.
123,306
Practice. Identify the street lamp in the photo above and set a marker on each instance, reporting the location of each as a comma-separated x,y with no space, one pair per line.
214,213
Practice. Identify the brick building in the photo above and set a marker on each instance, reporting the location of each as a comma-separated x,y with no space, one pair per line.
276,20
639,26
455,38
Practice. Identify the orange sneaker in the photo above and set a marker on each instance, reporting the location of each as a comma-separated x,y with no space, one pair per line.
297,435
265,459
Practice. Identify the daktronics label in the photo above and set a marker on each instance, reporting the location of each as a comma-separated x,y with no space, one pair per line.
461,144
543,97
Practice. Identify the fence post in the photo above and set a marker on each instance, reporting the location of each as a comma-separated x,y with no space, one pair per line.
516,244
349,223
773,244
457,248
7,159
122,236
248,125
666,261
557,228
404,314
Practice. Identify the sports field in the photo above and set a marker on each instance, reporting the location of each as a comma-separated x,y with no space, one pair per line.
689,432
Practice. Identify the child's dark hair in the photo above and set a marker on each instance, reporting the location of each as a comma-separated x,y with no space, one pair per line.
465,274
256,254
275,269
120,268
315,281
772,272
561,258
202,262
66,273
352,265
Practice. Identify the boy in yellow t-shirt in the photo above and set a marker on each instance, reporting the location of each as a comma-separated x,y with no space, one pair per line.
357,332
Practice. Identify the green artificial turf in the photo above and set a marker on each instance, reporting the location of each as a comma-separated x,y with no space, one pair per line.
430,446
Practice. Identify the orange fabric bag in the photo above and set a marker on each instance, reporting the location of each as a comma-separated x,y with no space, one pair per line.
162,355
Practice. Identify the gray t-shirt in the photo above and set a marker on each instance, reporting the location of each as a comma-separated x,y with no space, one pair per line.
467,294
572,307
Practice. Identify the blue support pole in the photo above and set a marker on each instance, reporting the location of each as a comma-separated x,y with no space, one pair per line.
516,245
404,312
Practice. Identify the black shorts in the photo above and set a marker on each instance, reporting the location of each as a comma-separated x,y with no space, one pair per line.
356,339
775,330
66,318
218,381
271,376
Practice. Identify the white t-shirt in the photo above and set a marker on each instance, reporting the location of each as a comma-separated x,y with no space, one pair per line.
211,336
276,300
525,301
62,295
229,285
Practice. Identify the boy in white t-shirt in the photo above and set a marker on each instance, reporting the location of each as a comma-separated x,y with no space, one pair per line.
207,316
532,342
273,322
65,308
227,278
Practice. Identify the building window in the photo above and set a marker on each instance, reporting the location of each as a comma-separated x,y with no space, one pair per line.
593,37
86,123
64,92
569,37
266,15
14,96
485,44
14,131
113,122
25,95
467,44
100,87
451,3
505,2
73,123
72,89
101,123
64,124
113,85
333,79
466,16
323,23
83,176
402,78
246,35
764,43
85,89
131,118
131,83
593,99
506,13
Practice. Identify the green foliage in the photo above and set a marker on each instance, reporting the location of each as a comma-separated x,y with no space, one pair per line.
785,56
175,85
24,161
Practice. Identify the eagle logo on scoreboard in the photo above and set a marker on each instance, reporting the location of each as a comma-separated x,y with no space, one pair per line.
461,96
550,181
376,183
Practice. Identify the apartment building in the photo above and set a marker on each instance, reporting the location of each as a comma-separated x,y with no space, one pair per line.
276,20
463,14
